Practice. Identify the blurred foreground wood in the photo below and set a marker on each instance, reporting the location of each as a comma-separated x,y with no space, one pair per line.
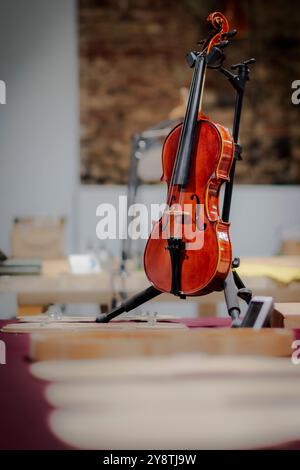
190,401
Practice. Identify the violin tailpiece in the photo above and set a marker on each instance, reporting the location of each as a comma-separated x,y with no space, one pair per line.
175,247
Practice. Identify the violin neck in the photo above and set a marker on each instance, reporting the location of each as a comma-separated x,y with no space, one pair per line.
186,142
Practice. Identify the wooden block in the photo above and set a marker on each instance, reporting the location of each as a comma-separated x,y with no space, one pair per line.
290,247
45,318
56,267
286,315
207,309
39,237
30,310
104,343
50,325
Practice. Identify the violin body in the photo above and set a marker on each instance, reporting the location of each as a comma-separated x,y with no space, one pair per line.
199,260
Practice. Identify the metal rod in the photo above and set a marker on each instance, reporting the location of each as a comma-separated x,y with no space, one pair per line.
235,135
130,304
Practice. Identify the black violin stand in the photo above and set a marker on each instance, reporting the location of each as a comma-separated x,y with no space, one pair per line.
234,287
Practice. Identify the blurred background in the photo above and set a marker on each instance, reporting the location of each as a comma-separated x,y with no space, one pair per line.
83,76
132,67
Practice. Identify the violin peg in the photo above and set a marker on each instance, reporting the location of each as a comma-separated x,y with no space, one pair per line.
222,44
229,34
191,59
250,61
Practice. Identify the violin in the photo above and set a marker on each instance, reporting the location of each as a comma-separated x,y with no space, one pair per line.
189,251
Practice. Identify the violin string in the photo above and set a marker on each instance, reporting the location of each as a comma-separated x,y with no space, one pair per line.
182,193
190,100
186,117
192,92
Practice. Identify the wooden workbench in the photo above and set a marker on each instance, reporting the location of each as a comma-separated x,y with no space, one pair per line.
57,284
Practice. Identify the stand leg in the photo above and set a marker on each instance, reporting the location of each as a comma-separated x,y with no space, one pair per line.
234,288
130,304
231,298
243,292
238,281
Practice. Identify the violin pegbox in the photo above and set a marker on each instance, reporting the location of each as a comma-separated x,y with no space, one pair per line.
219,26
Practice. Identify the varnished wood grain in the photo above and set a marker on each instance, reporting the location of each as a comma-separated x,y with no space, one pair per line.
206,259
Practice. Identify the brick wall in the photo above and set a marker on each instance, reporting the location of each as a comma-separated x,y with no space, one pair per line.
132,66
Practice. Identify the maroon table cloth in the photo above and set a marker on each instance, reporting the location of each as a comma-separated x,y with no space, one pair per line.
24,410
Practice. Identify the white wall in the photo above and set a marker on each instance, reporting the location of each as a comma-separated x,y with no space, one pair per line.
39,129
260,214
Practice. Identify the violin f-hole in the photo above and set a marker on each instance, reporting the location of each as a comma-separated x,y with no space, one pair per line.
197,214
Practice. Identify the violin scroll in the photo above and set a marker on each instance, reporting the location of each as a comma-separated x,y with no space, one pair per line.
220,26
219,30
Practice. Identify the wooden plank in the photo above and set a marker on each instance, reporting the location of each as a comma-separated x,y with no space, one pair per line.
100,343
286,315
30,310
